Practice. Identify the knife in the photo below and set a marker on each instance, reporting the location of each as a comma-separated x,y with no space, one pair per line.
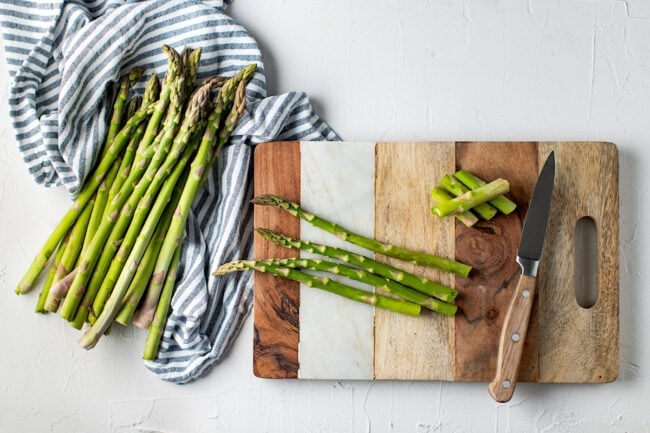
515,323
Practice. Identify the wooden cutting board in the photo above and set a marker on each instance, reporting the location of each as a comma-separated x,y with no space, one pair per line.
382,190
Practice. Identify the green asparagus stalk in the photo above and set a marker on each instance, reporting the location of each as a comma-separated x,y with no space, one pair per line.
69,257
152,92
502,203
363,276
192,186
162,310
135,211
467,218
100,200
323,283
45,290
423,285
191,61
68,220
416,257
145,267
117,119
129,153
119,290
472,198
456,188
97,258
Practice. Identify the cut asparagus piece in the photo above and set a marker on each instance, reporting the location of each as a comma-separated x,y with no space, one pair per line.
323,283
467,218
472,198
391,286
502,203
416,257
456,188
423,285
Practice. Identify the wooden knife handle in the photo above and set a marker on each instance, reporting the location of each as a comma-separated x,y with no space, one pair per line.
511,343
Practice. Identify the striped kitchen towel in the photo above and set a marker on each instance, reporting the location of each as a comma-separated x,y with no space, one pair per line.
65,58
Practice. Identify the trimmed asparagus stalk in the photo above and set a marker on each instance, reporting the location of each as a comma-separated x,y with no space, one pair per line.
416,257
42,296
423,285
200,165
502,203
472,198
135,211
467,218
397,289
145,267
119,290
323,283
162,310
456,188
42,257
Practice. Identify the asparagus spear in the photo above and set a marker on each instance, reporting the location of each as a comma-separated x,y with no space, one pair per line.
69,257
397,289
484,210
146,265
502,203
117,119
470,199
423,285
323,283
42,296
416,257
467,218
116,298
160,317
97,258
192,186
43,256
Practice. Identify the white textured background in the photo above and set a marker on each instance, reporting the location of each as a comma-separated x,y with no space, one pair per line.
376,70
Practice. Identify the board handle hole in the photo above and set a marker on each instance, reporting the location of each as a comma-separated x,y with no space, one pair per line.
586,262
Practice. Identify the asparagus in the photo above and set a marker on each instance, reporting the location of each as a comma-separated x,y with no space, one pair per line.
467,218
456,188
502,203
423,285
120,102
97,258
137,208
323,283
470,199
416,257
152,92
69,257
378,281
119,290
43,256
160,317
42,296
195,180
146,265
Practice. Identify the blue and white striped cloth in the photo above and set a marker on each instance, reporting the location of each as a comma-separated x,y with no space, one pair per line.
65,58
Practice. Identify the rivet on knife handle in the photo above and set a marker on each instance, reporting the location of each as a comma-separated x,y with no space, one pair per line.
513,336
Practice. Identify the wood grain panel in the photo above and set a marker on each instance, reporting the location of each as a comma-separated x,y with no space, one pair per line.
276,301
491,248
413,347
580,344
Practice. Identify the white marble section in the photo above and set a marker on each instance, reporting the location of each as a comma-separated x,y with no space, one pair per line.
336,334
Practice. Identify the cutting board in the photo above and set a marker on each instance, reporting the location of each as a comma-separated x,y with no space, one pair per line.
382,190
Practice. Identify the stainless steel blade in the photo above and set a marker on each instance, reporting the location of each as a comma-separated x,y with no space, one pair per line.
532,235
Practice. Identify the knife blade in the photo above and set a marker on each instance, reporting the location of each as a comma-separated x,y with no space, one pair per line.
515,322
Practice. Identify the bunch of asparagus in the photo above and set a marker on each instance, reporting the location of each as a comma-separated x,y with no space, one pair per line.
411,292
469,197
114,255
